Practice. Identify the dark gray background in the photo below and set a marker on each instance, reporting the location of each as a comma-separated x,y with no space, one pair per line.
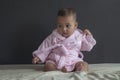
25,23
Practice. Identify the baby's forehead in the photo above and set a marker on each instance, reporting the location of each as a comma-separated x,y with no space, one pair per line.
67,17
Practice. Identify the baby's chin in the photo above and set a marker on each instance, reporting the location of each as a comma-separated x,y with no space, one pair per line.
65,35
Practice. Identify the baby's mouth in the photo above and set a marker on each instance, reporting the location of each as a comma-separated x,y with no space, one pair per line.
65,35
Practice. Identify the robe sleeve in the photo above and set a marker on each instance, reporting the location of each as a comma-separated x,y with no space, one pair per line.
42,52
88,42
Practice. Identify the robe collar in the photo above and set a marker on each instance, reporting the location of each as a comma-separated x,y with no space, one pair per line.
57,35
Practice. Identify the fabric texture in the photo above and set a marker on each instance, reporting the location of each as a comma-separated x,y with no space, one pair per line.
104,71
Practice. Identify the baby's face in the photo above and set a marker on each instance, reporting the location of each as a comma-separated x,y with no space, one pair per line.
66,25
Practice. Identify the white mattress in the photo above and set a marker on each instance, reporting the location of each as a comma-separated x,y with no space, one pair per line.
104,71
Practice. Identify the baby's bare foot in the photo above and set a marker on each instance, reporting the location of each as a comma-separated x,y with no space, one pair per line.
81,66
50,67
64,69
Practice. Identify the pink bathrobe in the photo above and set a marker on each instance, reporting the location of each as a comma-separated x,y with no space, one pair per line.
64,52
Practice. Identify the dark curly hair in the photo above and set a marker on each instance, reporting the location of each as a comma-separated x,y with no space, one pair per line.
67,12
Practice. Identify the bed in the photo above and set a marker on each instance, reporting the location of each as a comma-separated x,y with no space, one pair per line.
104,71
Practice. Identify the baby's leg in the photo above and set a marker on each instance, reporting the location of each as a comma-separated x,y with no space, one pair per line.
81,66
50,67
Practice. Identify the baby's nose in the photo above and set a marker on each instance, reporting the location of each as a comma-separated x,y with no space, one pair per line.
64,29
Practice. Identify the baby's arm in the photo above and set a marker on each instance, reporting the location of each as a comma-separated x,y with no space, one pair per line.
88,41
41,53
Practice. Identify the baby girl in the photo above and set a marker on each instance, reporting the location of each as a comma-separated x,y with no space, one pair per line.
61,50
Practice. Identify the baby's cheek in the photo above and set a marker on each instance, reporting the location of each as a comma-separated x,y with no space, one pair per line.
70,32
59,32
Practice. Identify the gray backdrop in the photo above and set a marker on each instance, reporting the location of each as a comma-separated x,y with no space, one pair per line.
25,23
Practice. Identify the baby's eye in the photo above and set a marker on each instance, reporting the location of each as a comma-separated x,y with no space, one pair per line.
59,26
68,26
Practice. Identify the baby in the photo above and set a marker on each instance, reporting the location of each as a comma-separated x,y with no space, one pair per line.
61,50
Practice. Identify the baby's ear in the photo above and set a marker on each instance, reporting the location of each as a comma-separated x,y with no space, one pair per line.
76,24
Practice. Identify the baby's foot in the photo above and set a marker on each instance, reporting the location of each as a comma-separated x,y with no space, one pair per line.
81,66
64,69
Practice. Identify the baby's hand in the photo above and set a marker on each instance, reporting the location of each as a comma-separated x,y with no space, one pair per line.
87,32
35,60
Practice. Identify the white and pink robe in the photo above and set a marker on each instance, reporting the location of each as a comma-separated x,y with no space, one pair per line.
64,52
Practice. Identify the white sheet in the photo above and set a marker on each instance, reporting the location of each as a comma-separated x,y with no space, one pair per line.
34,72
